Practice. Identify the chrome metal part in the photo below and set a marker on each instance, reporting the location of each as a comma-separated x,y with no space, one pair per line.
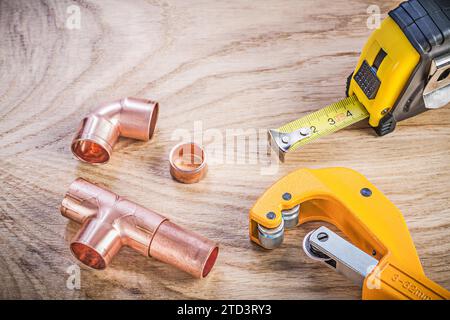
291,217
271,238
285,140
437,91
324,245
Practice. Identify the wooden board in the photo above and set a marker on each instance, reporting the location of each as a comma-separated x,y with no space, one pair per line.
231,65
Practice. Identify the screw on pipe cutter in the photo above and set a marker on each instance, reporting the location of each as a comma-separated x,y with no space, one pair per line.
380,255
403,70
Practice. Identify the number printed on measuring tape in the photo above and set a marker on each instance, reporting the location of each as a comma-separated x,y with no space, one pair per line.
328,120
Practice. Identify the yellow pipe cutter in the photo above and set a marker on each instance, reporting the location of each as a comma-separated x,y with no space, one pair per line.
380,255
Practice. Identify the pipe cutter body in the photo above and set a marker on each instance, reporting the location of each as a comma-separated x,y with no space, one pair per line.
381,253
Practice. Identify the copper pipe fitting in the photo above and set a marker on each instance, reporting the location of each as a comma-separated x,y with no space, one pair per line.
99,131
187,162
110,222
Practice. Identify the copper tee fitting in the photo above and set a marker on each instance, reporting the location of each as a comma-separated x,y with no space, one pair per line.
110,222
99,131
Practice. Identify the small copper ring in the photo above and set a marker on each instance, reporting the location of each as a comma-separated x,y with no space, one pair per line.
187,162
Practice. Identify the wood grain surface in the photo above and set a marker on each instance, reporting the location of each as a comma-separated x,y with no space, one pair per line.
231,65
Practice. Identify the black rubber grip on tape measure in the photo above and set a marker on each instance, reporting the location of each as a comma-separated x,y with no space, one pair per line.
426,23
367,79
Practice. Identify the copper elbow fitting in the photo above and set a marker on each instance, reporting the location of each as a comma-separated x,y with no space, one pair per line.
110,222
100,130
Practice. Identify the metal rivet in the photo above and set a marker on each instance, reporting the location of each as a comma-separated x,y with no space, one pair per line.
322,237
366,192
304,131
287,196
374,252
385,111
271,215
285,139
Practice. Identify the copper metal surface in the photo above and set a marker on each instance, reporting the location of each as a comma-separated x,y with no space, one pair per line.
187,162
183,249
100,130
110,222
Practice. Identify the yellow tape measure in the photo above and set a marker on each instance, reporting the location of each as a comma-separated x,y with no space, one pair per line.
318,124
